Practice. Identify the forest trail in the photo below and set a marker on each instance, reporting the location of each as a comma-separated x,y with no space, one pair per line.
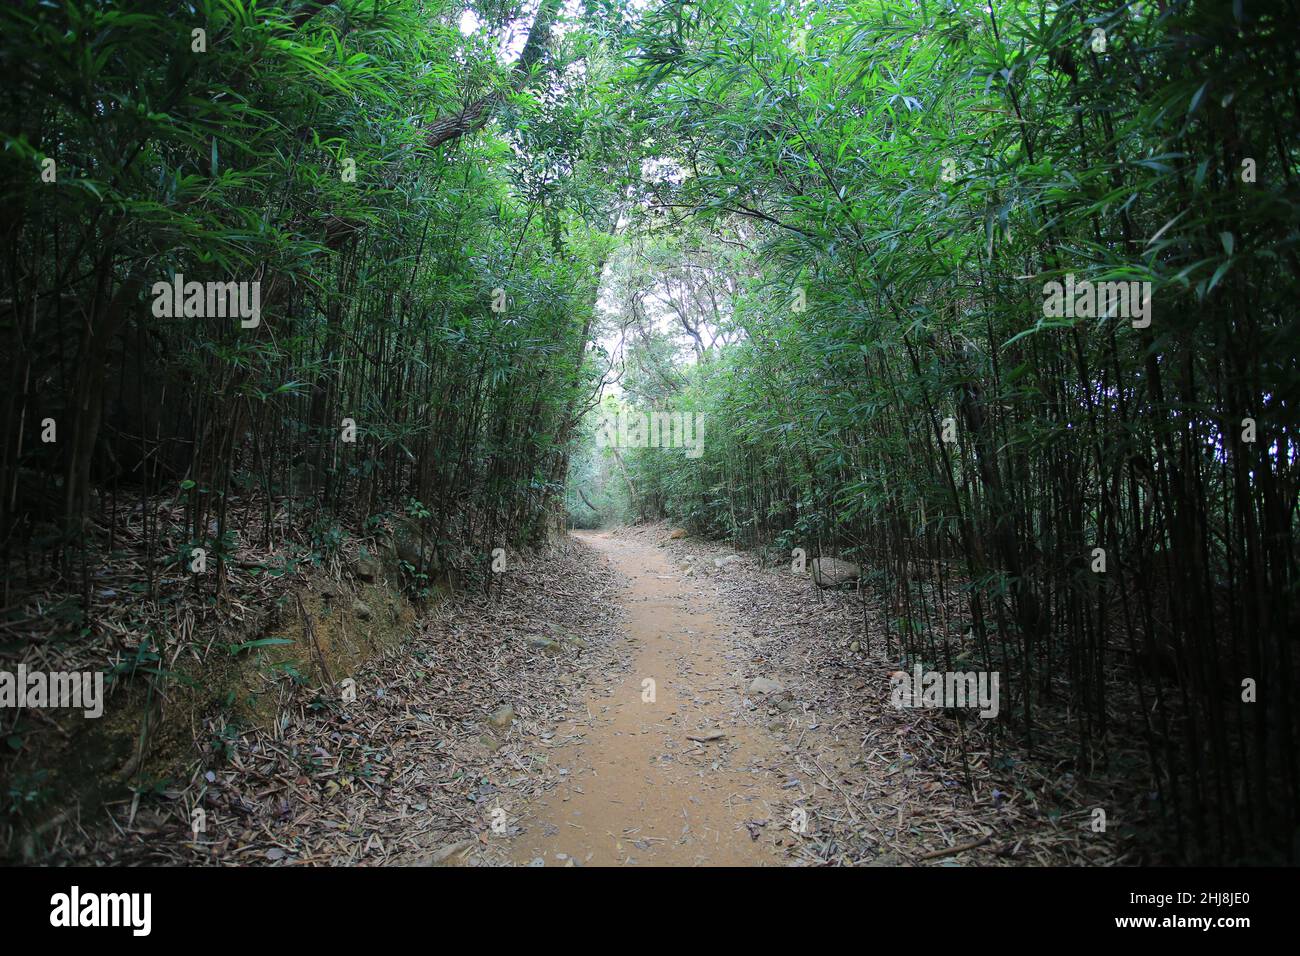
511,728
638,789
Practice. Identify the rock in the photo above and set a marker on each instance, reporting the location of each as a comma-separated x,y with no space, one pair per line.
834,573
408,541
367,569
502,716
545,644
854,647
765,685
705,737
362,610
443,854
677,534
724,561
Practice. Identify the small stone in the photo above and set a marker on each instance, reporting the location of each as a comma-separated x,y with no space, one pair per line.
362,610
706,736
446,852
765,685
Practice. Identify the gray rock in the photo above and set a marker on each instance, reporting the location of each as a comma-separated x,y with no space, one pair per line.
545,644
442,855
834,573
765,685
408,541
367,569
704,737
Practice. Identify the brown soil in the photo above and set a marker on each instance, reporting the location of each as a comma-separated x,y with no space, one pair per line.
513,727
638,788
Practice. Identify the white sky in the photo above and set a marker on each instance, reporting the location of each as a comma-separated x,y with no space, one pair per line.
511,43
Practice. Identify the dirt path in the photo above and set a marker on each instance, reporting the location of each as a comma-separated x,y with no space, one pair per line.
515,727
635,789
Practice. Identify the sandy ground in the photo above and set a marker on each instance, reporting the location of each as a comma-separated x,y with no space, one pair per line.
662,770
601,707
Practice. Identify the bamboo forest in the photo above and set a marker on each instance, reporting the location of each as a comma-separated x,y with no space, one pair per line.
630,433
